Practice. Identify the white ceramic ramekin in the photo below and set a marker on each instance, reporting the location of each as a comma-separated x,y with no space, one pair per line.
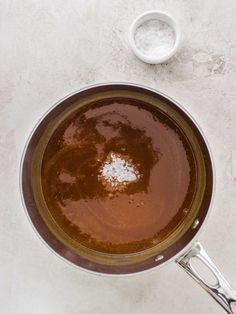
152,15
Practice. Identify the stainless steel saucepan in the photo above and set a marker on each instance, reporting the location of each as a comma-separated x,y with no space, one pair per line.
183,248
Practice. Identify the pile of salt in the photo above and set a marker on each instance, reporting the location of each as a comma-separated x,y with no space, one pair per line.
154,38
118,171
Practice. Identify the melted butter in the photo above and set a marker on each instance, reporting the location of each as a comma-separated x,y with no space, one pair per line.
118,218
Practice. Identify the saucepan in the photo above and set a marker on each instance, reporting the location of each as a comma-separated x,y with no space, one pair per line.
183,247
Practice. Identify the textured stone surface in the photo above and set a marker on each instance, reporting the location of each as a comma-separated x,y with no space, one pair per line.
51,48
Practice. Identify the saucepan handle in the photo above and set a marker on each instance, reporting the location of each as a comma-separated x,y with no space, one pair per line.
221,291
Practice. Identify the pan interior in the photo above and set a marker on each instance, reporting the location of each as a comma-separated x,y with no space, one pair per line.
92,209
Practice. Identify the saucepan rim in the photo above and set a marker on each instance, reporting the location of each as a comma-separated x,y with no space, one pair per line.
200,229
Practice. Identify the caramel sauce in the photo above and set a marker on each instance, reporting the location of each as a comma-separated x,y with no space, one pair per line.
131,215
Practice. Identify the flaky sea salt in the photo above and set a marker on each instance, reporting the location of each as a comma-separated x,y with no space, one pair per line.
118,171
154,38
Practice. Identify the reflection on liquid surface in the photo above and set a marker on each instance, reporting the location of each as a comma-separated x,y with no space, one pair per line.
117,176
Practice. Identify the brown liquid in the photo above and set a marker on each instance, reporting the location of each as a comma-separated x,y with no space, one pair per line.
129,216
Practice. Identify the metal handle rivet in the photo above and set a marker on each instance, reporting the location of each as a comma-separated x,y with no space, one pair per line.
195,224
159,258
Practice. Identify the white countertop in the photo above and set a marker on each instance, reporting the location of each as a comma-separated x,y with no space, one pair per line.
52,48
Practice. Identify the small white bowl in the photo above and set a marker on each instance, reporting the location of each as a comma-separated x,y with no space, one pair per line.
152,15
